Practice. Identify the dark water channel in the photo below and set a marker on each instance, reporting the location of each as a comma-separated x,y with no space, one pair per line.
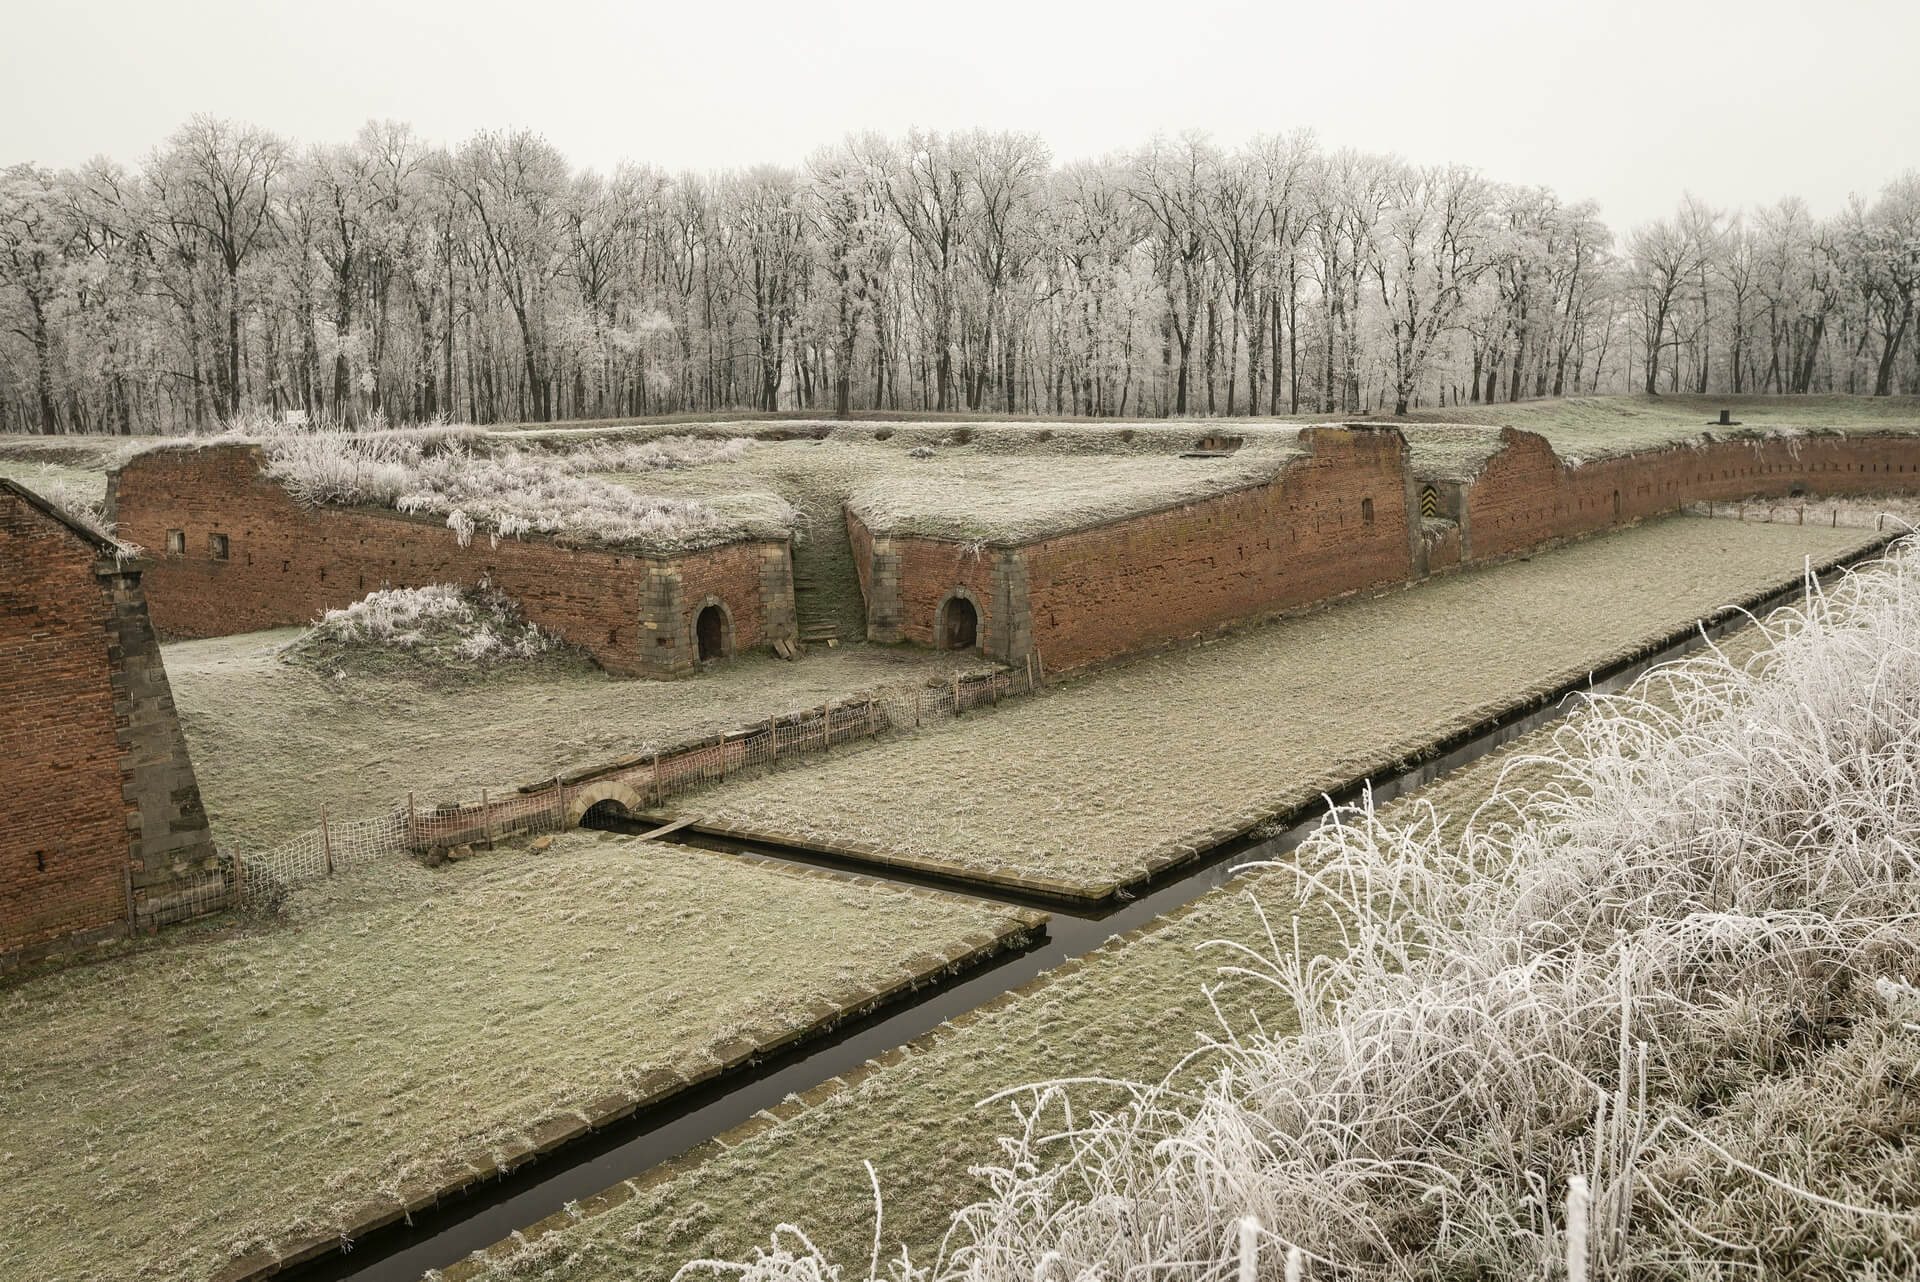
491,1211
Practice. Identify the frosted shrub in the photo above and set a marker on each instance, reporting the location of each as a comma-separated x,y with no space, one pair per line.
1655,1018
505,493
442,624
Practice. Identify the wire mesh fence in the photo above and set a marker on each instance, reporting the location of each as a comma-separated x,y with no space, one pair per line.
1859,514
263,878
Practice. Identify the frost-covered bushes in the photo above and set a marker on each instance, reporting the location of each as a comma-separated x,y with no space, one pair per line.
506,492
1655,1019
442,625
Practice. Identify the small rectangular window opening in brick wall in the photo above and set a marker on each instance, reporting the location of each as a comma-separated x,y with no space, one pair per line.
176,542
217,546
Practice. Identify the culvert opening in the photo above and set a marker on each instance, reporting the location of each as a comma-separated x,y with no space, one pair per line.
603,814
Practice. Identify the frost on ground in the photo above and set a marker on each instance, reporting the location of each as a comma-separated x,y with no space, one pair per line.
1128,1013
442,629
1656,1017
273,741
1093,781
1454,441
506,491
167,1110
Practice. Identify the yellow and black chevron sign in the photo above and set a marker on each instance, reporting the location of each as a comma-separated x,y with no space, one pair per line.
1429,502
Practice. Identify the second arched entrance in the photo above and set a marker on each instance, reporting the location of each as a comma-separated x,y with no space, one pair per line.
958,624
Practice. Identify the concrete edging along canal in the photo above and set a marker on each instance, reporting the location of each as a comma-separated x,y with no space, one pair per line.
545,1204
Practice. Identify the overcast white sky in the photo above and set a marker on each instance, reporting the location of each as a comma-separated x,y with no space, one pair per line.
1626,101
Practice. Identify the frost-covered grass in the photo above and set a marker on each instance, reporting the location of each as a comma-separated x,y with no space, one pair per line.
1673,996
442,628
169,1109
506,492
1128,1013
273,741
1102,776
993,482
1590,427
1664,952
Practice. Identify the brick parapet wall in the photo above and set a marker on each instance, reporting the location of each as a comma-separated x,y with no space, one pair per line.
1526,495
100,800
286,564
1332,522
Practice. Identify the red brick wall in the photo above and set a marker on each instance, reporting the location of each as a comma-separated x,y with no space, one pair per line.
1298,539
1526,496
64,838
732,573
287,563
930,569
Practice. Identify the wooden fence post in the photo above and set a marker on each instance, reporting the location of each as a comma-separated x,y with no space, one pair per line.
486,817
413,824
873,728
773,738
916,709
326,838
956,694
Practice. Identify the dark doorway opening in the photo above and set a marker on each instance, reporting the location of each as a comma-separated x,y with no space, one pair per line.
710,630
961,625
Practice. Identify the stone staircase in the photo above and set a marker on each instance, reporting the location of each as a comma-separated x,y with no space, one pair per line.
817,623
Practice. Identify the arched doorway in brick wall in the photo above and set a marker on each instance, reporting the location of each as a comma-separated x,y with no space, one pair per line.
713,631
957,624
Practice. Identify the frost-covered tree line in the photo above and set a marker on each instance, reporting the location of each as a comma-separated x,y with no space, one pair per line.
234,273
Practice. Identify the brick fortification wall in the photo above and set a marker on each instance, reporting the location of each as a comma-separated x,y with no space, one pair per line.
101,826
1343,519
285,564
1335,521
1527,496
